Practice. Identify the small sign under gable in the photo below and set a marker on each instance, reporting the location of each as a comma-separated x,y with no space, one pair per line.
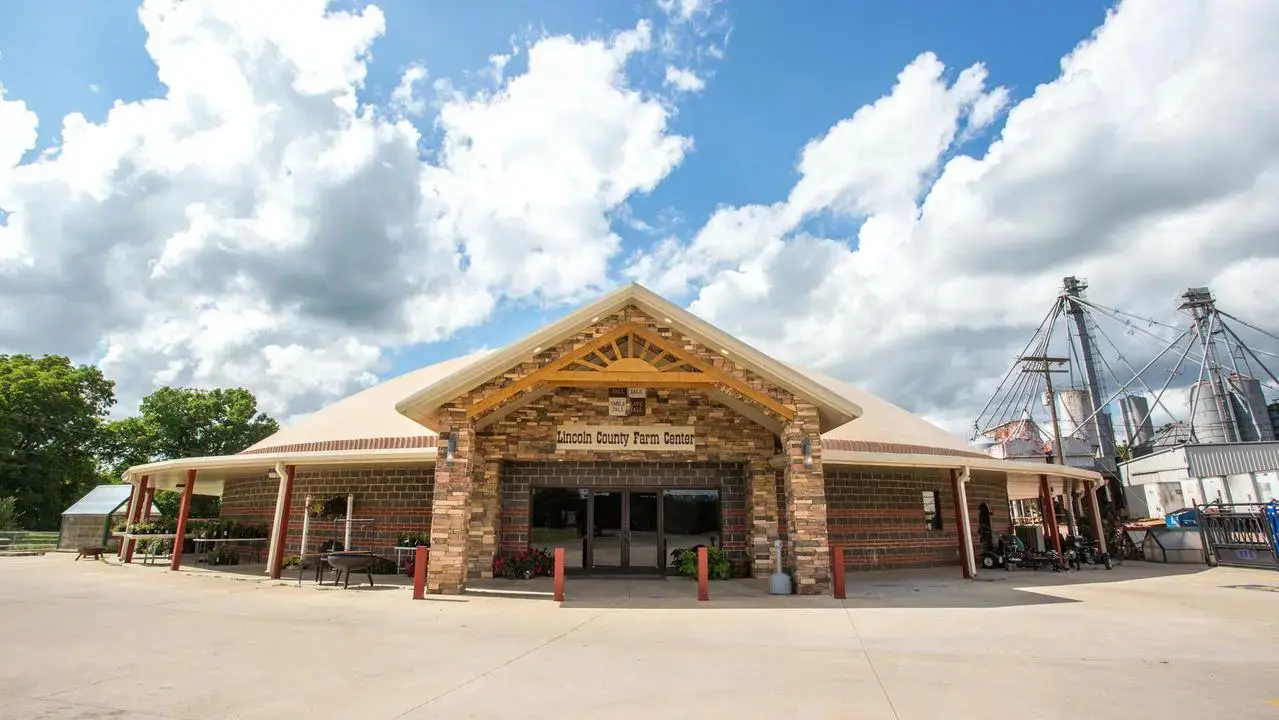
661,438
619,406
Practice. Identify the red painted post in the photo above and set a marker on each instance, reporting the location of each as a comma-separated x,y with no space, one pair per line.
1050,512
146,508
140,493
420,559
559,574
837,568
277,567
703,575
184,511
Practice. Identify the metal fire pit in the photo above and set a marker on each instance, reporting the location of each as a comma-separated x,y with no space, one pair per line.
347,562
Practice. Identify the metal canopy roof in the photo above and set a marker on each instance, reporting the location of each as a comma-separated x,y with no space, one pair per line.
104,500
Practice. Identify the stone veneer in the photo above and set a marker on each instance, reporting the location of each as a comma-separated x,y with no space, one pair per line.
877,515
528,434
806,544
396,498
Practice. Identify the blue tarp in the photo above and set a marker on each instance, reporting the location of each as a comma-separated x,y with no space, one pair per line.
1188,517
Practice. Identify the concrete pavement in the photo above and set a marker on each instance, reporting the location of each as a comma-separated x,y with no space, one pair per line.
92,640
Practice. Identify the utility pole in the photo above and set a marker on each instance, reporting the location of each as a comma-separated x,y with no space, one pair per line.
1044,365
1073,289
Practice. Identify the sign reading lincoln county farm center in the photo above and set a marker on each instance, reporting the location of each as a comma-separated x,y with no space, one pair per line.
624,437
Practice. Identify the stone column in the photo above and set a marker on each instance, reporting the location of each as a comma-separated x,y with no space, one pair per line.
761,515
451,511
484,519
807,538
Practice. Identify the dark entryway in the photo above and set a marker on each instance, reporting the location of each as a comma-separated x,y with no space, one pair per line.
629,528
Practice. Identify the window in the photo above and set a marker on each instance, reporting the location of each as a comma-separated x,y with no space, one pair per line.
932,509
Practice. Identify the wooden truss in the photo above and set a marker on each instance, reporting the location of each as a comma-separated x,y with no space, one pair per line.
628,356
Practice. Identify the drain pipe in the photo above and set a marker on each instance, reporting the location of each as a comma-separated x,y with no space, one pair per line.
779,582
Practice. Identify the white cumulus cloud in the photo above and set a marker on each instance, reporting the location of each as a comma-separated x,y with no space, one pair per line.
259,224
1151,164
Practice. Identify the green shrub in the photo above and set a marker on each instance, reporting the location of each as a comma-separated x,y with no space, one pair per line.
414,539
224,555
685,562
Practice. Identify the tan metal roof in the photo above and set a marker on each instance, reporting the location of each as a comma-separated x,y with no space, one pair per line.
374,426
368,420
366,429
368,414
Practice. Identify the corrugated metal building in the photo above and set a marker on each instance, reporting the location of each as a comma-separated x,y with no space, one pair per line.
1178,477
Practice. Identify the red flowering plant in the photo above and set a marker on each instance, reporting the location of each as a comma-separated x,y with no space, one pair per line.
523,564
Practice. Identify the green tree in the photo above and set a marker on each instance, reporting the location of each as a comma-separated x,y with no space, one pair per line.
51,417
186,422
8,513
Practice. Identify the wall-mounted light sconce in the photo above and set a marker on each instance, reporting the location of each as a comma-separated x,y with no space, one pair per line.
452,448
272,474
808,452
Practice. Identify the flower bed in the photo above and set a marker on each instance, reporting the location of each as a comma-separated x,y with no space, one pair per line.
523,565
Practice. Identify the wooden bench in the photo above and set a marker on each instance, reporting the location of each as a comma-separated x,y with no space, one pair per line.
90,552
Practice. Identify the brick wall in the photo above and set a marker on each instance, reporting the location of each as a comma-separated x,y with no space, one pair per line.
397,498
519,477
877,514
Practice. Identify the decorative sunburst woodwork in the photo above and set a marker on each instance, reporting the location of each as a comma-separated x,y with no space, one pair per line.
628,356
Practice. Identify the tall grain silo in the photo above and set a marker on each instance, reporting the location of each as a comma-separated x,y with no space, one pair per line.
1249,404
1075,415
1138,428
1210,418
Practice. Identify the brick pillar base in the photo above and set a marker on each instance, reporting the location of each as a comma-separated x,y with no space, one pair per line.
761,516
451,514
808,538
483,531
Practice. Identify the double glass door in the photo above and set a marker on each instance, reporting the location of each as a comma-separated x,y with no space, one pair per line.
626,532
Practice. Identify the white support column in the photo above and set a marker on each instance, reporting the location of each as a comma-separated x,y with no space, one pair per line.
965,474
135,491
350,508
278,517
1094,508
306,524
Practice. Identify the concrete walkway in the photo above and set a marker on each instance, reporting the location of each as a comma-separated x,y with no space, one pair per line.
91,640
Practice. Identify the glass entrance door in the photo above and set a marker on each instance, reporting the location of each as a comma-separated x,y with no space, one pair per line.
607,530
625,531
643,541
